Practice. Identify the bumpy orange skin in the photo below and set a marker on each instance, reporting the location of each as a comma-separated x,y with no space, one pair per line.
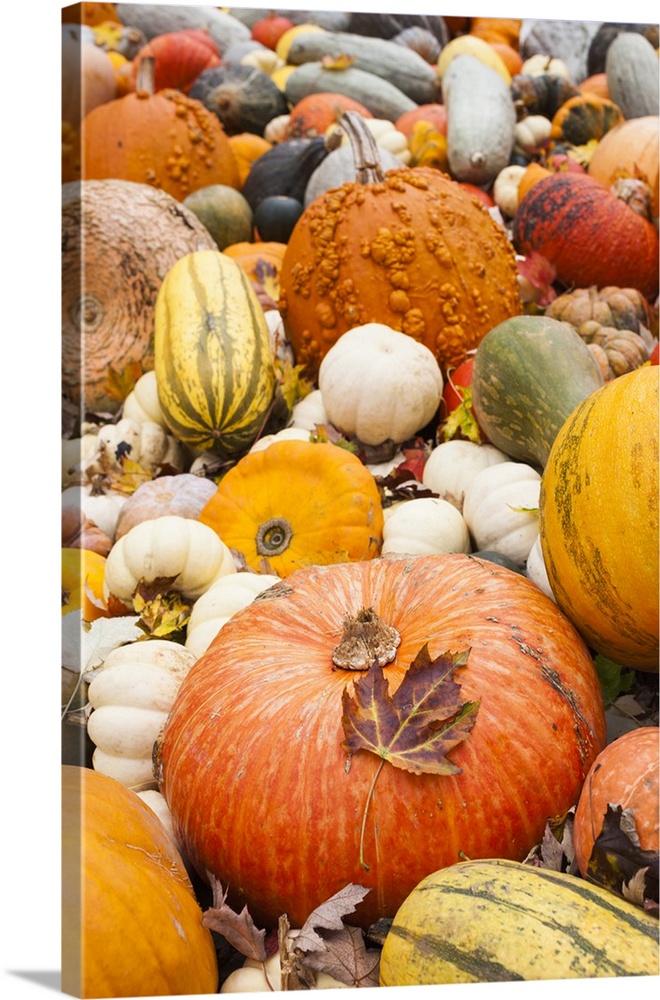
588,234
131,924
598,519
624,774
260,787
320,496
415,252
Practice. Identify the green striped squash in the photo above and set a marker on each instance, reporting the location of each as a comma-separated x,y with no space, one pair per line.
212,355
499,921
529,374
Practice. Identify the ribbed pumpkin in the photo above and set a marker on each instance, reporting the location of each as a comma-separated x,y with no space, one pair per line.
212,355
295,504
180,56
131,925
629,150
624,774
598,518
162,138
261,789
409,249
498,921
588,234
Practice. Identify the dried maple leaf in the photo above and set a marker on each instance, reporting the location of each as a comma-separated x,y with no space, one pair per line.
237,928
128,477
462,422
121,382
346,958
292,385
162,610
342,61
416,727
329,916
617,859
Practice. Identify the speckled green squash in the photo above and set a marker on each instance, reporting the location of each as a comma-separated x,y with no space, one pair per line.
212,355
529,374
500,921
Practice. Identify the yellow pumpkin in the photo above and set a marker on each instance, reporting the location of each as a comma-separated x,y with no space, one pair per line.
598,518
83,572
295,504
131,925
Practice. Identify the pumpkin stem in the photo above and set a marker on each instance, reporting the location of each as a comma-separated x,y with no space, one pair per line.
368,165
365,640
274,537
145,84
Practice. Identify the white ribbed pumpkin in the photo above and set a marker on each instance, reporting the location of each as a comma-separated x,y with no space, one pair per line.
424,525
501,509
215,607
452,465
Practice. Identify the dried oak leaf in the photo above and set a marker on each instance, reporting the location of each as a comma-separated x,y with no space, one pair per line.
238,929
617,860
326,944
417,726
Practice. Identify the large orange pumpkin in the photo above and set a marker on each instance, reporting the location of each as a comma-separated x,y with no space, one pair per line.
598,518
624,774
262,791
164,138
408,248
630,149
296,503
131,925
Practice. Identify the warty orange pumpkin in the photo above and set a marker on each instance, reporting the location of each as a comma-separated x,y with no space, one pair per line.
598,518
253,763
295,504
163,138
408,248
131,925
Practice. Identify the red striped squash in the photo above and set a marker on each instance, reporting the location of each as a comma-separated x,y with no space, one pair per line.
212,355
588,234
262,791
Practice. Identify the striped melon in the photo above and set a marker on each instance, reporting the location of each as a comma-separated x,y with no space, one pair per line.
498,921
212,356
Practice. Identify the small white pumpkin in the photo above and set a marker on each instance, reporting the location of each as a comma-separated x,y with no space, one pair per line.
309,411
217,605
144,442
286,434
98,504
169,546
501,509
262,977
76,454
505,189
142,403
424,525
385,133
535,568
379,384
540,63
158,804
530,132
131,695
452,465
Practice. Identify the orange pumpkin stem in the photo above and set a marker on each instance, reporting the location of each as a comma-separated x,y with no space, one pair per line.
365,640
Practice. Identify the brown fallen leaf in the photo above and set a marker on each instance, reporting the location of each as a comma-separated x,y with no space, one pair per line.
238,929
617,860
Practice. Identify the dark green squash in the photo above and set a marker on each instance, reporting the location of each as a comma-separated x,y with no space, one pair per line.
244,98
529,374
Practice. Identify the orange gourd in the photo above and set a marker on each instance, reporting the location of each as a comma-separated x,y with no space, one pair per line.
624,774
409,249
296,504
630,149
247,147
598,518
163,138
131,923
314,114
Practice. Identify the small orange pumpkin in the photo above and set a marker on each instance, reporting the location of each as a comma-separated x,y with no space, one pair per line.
132,925
407,248
247,147
295,504
164,138
624,774
630,149
314,114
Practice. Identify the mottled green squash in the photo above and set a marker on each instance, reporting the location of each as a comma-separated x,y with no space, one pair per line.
529,374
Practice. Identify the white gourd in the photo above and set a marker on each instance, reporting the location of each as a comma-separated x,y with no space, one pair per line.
169,546
424,525
309,411
452,465
501,509
101,507
142,402
215,607
378,384
131,695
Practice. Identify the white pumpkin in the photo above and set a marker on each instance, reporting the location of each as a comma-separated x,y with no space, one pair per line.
535,568
309,411
217,605
131,695
530,132
424,525
158,804
76,454
286,434
378,384
540,63
385,133
169,546
142,403
99,505
505,189
501,509
144,442
452,465
258,977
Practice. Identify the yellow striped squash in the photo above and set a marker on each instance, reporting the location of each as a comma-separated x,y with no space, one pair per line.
500,921
212,355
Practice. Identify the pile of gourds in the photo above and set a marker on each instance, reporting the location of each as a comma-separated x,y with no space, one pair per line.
360,460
